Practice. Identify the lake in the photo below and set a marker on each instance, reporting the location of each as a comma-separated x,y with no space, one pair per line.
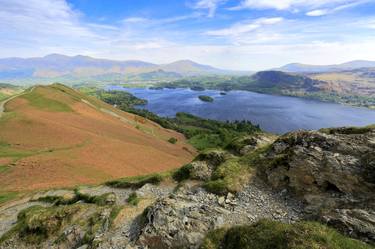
276,114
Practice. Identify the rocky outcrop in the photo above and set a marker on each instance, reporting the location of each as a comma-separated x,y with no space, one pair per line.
333,171
182,219
325,175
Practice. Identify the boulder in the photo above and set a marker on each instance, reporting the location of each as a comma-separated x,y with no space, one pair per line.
332,170
358,223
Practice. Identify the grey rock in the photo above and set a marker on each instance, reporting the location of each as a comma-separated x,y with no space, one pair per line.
333,171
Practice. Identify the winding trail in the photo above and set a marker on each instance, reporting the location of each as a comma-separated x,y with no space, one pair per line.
4,102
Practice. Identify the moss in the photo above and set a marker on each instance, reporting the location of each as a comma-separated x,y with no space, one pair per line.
230,176
133,199
183,173
267,234
136,182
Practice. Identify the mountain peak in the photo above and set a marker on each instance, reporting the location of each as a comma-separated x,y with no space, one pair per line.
186,62
56,56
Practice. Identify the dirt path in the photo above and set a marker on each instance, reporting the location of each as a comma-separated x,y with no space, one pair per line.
4,102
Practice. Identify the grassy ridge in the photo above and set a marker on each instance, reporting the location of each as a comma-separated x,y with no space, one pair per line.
39,101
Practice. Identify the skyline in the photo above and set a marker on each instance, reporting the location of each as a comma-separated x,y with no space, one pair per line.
229,34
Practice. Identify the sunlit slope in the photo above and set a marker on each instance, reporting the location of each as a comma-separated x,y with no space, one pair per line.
55,136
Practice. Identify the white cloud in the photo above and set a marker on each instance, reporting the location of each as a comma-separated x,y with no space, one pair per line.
160,21
42,21
135,20
38,27
319,12
265,4
210,5
244,27
348,4
256,56
295,5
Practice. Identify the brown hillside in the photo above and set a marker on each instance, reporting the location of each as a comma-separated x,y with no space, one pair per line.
54,136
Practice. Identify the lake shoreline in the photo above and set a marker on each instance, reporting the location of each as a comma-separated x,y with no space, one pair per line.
321,99
274,113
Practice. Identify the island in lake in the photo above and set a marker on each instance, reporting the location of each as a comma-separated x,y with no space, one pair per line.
206,98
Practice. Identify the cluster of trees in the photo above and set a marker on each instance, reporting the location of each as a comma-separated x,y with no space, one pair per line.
121,99
202,133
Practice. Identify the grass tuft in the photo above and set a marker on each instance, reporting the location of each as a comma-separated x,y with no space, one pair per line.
229,176
36,224
136,181
267,234
172,140
183,173
133,199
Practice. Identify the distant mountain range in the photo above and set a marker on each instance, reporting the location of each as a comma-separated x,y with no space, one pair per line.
56,66
305,68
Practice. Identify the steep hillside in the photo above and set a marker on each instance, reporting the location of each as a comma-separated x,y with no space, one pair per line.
305,189
358,81
55,136
353,87
280,81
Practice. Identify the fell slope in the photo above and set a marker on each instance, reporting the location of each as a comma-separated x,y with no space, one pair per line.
360,81
54,136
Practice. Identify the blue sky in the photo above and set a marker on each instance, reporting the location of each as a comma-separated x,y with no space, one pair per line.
232,34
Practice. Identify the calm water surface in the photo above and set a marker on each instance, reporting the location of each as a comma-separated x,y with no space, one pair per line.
277,114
